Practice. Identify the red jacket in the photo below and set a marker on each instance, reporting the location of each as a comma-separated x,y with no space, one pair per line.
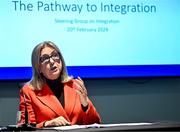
43,105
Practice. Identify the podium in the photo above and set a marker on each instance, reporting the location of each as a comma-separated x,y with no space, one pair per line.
156,126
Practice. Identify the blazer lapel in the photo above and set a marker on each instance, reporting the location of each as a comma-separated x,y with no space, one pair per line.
47,97
70,96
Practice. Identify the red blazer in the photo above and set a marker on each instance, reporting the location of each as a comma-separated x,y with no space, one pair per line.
43,105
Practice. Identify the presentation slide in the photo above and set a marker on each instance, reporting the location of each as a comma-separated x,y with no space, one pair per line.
98,38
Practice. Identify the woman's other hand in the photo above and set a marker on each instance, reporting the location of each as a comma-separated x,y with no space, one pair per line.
59,121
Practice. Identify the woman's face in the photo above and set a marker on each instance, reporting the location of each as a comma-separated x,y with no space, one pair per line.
50,63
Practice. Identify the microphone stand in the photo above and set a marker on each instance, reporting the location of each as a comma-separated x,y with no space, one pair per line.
23,127
26,125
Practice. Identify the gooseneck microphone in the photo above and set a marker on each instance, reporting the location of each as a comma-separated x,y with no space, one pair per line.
23,127
27,126
25,111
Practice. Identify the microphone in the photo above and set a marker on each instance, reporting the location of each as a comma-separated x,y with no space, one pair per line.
25,111
25,126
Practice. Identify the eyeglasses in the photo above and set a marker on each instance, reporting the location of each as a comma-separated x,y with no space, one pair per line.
46,58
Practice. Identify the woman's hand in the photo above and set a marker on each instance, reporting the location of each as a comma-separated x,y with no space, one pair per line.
59,121
81,90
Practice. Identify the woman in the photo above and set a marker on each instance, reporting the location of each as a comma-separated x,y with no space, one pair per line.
52,97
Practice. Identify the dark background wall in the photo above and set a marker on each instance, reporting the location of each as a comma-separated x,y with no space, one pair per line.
117,100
